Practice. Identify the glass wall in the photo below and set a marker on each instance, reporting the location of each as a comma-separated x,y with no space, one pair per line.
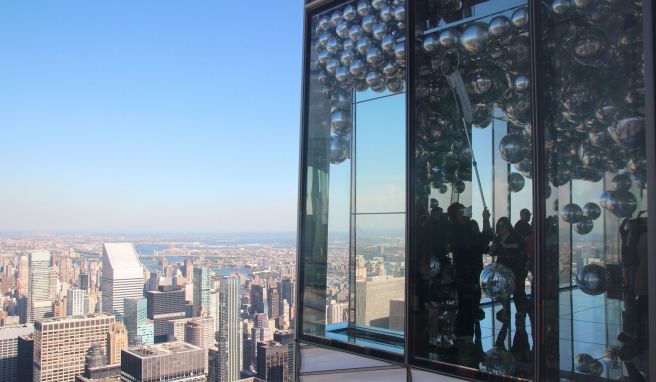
596,227
472,187
353,225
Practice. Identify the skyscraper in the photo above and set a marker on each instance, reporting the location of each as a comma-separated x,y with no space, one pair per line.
165,304
287,290
259,299
84,281
60,345
286,338
117,340
229,333
76,302
40,304
274,303
25,357
170,361
122,276
140,329
9,350
272,361
201,290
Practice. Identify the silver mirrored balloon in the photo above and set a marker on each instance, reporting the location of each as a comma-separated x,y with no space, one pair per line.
481,115
521,84
497,281
435,266
517,107
514,148
562,8
368,22
331,66
605,200
343,75
324,23
363,7
322,58
584,226
591,210
339,149
459,187
333,45
385,13
608,113
399,13
374,56
628,132
443,189
623,204
431,44
517,56
323,77
399,51
336,17
449,39
547,192
355,32
341,100
360,85
363,44
571,213
324,37
579,102
525,167
499,362
395,85
475,38
357,68
586,364
347,57
342,29
390,68
374,79
501,29
379,31
519,19
349,13
591,279
590,48
340,122
622,182
348,44
387,43
378,4
515,182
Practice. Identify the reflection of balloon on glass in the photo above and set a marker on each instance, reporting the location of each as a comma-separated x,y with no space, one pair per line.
622,182
459,187
591,210
500,28
514,148
584,226
515,182
591,279
339,149
571,213
475,38
497,281
500,362
628,132
587,364
623,204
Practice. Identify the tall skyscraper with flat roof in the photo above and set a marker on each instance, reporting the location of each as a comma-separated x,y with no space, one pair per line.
122,276
76,302
60,345
202,286
229,333
40,304
164,305
140,329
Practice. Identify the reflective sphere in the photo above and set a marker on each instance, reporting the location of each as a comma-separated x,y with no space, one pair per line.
339,149
349,13
475,38
579,102
324,37
322,58
342,29
324,23
521,84
348,44
342,75
517,107
623,204
481,115
584,226
387,43
514,148
607,113
336,17
591,211
374,79
519,18
379,31
500,28
368,22
386,13
331,66
591,156
605,200
497,281
449,38
571,213
363,44
333,45
378,4
347,57
517,56
363,8
374,56
484,86
591,279
355,32
357,68
323,77
443,189
459,187
390,68
360,85
431,44
586,364
435,266
515,182
395,85
622,182
340,122
500,362
341,100
399,13
628,132
399,51
525,167
589,48
561,8
379,88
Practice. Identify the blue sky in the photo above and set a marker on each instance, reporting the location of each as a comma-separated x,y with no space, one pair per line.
174,116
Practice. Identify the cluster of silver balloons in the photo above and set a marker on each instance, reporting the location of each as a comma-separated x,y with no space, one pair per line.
497,281
580,218
359,46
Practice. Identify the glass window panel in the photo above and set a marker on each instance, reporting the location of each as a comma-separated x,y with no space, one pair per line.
596,231
354,164
472,152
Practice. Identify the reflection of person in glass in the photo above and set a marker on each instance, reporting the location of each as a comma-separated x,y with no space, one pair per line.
508,247
468,244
